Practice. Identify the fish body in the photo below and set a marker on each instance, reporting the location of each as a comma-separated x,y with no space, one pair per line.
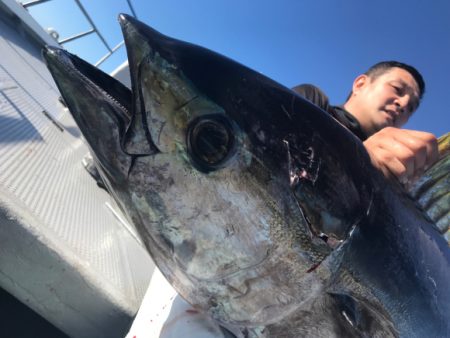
257,206
432,191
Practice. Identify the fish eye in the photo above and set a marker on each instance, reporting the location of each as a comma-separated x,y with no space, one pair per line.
210,142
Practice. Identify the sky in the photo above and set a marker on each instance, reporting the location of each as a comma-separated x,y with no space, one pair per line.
323,42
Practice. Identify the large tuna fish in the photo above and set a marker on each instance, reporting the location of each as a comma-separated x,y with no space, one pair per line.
257,206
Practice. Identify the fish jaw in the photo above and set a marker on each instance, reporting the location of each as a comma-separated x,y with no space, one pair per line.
102,113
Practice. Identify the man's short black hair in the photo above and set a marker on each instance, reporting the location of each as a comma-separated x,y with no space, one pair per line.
383,66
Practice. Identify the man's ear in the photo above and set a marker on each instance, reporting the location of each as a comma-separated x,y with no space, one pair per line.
359,83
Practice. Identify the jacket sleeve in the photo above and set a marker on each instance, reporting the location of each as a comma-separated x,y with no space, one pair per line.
314,95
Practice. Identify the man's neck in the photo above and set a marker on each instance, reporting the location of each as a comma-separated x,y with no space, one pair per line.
350,107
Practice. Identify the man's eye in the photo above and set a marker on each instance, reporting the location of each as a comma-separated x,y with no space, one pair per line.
397,89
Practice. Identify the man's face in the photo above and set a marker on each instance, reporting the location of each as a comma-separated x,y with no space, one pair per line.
387,100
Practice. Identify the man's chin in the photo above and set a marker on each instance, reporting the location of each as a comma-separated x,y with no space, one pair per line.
389,121
381,126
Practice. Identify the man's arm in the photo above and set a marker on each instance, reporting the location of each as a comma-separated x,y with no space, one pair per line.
401,153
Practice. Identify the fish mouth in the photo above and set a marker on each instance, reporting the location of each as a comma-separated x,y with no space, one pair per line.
69,71
98,103
115,90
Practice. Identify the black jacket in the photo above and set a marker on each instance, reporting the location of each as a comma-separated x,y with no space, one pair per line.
318,97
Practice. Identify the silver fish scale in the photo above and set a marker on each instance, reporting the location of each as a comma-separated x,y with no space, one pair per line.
294,232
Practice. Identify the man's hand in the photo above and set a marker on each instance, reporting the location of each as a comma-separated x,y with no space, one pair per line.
403,154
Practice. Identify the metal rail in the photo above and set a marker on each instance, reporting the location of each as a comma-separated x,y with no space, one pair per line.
131,8
93,29
99,62
74,37
32,3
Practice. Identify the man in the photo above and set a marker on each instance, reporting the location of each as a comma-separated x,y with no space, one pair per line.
382,100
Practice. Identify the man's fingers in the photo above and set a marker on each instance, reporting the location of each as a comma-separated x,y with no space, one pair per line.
397,158
400,160
404,154
390,165
413,152
426,142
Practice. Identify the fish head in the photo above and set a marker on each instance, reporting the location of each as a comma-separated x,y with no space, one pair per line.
247,174
233,181
174,80
87,89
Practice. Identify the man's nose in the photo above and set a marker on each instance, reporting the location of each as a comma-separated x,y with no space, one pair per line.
402,103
